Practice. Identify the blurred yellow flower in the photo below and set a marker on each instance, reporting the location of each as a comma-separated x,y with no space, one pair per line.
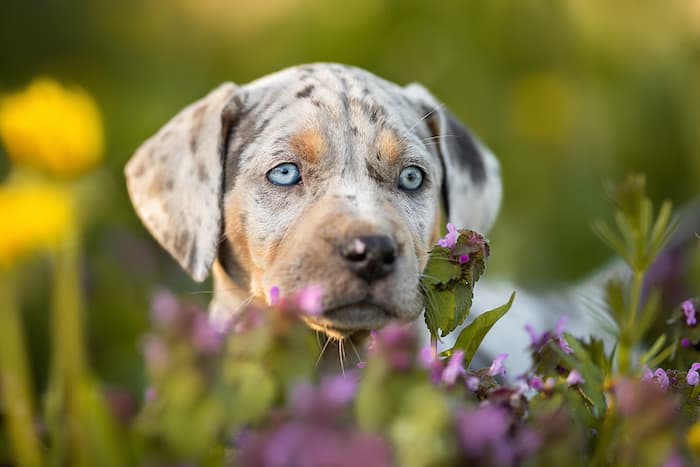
52,128
692,437
34,217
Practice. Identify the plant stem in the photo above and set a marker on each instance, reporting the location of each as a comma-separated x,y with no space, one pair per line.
68,365
15,386
627,340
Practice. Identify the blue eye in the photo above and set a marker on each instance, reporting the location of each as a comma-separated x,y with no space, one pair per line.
410,178
285,174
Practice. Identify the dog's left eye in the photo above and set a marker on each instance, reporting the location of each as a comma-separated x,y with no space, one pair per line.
285,174
411,178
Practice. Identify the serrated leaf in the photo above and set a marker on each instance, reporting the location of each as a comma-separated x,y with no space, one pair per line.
439,309
463,296
440,270
471,336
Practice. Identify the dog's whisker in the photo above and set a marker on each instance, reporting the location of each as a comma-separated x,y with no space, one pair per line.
437,107
341,355
323,350
354,348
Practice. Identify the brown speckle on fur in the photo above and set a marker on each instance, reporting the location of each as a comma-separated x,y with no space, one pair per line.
308,145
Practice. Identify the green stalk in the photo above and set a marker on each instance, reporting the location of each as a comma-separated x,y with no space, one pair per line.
15,385
79,420
627,341
68,360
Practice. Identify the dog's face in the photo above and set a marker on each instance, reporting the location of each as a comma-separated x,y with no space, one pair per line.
319,174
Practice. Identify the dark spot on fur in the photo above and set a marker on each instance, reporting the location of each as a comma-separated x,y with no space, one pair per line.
374,173
306,92
194,254
355,131
202,173
182,240
316,102
197,124
169,184
139,170
463,149
232,265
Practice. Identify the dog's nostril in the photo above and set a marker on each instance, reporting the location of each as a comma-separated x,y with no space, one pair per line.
371,257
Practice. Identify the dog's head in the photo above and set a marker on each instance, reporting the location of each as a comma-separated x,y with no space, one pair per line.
322,174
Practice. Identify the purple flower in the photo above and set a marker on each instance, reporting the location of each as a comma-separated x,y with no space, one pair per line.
463,259
472,383
205,337
560,335
693,376
156,353
275,299
574,378
396,344
685,342
483,433
150,394
661,378
689,312
536,339
536,383
647,374
339,390
454,368
310,299
426,358
450,238
361,365
497,367
165,309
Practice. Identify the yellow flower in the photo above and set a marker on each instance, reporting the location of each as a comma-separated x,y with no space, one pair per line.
692,437
51,128
34,217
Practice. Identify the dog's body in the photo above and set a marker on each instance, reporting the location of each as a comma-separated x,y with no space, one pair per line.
322,174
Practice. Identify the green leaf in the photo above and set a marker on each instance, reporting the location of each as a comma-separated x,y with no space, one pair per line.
463,295
654,350
439,309
471,336
440,269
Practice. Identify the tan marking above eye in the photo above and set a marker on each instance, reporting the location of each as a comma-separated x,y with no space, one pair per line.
388,146
308,145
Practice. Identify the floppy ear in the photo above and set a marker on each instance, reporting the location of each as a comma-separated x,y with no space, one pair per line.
471,186
175,182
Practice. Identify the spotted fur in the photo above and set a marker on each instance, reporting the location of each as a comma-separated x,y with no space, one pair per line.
200,187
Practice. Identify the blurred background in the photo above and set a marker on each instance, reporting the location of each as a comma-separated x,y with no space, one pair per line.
567,94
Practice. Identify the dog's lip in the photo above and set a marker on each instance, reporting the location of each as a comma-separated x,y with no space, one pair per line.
348,318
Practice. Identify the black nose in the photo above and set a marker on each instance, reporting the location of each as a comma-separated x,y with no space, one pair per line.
370,257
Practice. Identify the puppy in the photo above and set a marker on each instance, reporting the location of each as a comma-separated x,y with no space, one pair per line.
317,174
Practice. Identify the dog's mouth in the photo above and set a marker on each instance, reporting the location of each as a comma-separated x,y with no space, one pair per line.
343,321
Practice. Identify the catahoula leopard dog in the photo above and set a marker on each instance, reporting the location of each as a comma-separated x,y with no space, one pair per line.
321,173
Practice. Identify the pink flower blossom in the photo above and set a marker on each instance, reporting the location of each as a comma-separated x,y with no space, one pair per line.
693,376
473,383
685,342
275,299
689,312
560,335
310,299
661,378
450,238
497,367
574,378
454,368
536,383
463,259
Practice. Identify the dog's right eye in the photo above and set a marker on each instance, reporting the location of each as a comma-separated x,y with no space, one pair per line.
285,174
